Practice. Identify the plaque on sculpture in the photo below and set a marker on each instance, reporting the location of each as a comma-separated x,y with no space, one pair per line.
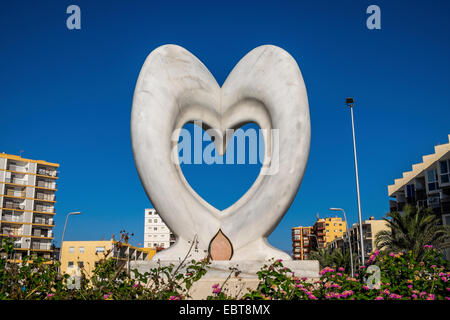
266,87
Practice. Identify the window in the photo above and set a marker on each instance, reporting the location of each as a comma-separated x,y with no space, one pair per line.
432,180
155,228
155,220
99,249
80,264
71,249
162,245
155,244
81,249
149,220
410,191
445,171
446,219
70,264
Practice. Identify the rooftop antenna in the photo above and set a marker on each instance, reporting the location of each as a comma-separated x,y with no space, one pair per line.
20,153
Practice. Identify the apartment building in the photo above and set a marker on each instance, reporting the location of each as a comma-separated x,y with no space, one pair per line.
301,242
156,233
328,229
27,204
427,185
370,228
83,256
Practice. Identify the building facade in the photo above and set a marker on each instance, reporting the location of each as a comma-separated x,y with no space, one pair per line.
27,204
427,185
79,257
301,242
328,229
324,231
370,229
156,233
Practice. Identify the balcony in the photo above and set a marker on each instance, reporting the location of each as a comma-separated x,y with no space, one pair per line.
14,205
46,184
13,219
47,172
15,181
45,196
44,221
17,168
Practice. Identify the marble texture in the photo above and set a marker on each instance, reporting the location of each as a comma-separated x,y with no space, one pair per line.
266,87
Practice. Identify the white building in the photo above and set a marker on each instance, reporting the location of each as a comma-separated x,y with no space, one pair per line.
156,234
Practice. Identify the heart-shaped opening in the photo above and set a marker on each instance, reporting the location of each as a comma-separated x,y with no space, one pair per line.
221,180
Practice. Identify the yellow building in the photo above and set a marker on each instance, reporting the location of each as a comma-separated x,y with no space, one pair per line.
328,229
27,204
83,256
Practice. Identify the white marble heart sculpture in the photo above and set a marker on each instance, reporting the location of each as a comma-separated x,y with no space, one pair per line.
266,87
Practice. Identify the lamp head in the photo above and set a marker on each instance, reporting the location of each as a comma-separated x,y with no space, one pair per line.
349,102
76,212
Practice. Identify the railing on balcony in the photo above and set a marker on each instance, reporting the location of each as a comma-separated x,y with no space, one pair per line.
45,196
15,181
14,205
47,172
42,208
40,220
46,184
13,167
12,218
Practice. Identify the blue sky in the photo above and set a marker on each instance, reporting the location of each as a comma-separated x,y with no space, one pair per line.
65,96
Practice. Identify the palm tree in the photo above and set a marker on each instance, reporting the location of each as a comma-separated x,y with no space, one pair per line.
411,230
336,258
324,256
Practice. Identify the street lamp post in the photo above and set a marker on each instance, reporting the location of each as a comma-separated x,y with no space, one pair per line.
350,102
348,236
64,231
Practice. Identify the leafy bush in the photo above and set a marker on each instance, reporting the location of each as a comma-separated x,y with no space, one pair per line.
401,277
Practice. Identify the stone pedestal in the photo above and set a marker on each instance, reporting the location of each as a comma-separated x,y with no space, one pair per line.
236,286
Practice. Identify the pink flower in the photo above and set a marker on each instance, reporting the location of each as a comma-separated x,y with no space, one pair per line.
428,246
136,285
215,286
304,278
365,287
339,274
414,296
107,296
341,269
174,298
395,296
379,298
430,297
279,260
216,290
50,295
410,286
